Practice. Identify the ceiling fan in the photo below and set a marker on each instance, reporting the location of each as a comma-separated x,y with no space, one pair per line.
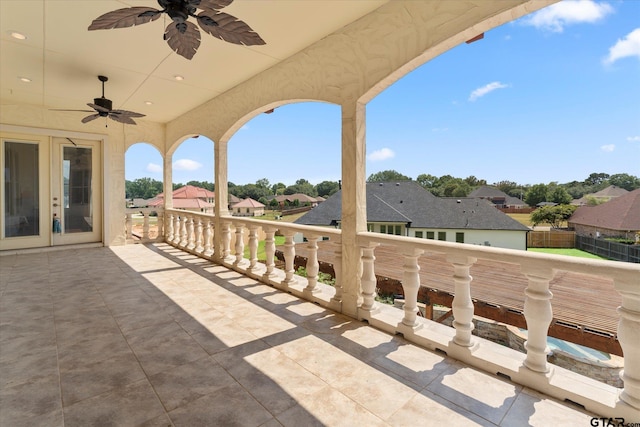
181,34
102,107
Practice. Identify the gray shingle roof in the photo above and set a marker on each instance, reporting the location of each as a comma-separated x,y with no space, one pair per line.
408,202
620,213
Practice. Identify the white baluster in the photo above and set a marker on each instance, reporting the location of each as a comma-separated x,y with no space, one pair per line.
270,251
169,227
145,226
177,229
312,266
538,314
289,258
226,240
253,246
368,279
184,234
207,238
191,241
462,304
629,337
128,225
239,243
411,285
160,222
199,248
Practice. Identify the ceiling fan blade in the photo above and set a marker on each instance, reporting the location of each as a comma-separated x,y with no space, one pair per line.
81,111
98,108
214,4
127,17
183,38
122,119
89,118
229,28
126,113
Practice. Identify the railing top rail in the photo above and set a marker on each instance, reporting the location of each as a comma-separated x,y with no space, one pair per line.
322,231
280,225
557,262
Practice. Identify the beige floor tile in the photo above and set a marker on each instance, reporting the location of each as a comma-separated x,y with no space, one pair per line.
485,395
534,409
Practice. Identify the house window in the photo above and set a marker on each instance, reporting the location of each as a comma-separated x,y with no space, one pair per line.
370,227
430,235
442,235
383,228
460,237
247,210
390,229
419,234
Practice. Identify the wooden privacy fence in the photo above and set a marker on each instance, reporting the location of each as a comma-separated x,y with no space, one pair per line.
551,239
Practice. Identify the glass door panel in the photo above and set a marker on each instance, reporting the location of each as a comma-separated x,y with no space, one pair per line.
24,183
76,191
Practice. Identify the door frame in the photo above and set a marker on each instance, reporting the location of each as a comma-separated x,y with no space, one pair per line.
105,153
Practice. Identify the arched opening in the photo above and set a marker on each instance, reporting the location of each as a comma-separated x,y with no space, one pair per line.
282,156
193,175
143,185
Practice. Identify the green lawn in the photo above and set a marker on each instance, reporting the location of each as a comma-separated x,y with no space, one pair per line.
569,252
262,255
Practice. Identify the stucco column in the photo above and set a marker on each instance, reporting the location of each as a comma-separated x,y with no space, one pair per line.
354,213
221,209
167,184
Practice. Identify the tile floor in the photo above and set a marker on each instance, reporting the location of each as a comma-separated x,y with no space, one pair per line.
152,336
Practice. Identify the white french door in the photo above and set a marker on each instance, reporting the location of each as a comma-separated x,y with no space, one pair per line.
51,191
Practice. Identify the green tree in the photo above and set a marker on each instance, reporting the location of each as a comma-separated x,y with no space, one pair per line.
301,186
278,189
263,183
624,180
327,188
552,215
143,188
273,203
387,176
596,179
202,184
536,194
560,195
426,181
507,186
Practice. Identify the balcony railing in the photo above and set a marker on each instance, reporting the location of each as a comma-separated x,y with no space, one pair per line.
147,233
194,232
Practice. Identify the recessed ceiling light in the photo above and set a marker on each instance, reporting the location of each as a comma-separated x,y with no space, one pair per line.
178,77
17,35
148,103
24,79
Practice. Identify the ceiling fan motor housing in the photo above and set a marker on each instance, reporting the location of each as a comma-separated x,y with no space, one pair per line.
104,103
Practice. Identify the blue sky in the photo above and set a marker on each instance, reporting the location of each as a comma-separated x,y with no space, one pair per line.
554,96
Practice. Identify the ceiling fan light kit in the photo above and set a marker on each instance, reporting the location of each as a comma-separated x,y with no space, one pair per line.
182,35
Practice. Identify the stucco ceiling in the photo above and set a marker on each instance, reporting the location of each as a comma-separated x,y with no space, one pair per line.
63,59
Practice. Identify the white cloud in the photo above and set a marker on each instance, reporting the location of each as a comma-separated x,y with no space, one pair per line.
482,91
633,138
555,17
628,46
382,154
186,165
152,167
608,148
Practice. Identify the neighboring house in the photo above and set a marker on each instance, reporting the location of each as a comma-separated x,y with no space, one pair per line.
407,209
137,203
499,198
302,199
619,217
248,207
601,196
189,198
